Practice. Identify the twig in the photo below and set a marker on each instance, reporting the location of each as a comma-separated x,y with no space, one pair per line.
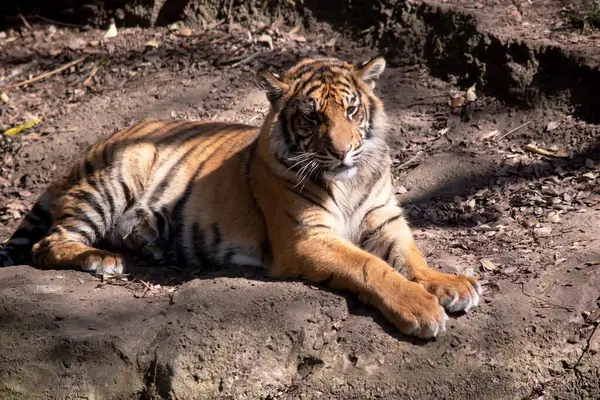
535,149
55,22
587,351
45,74
409,162
569,309
514,130
24,21
94,70
246,59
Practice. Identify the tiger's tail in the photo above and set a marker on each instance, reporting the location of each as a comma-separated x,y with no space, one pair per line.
33,228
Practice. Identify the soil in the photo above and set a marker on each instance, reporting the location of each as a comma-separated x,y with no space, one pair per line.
526,224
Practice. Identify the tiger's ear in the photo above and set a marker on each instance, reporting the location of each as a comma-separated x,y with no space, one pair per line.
370,71
273,86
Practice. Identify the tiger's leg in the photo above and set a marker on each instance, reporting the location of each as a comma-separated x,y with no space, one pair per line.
387,235
320,255
83,215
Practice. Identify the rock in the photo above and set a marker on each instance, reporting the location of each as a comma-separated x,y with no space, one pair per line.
542,232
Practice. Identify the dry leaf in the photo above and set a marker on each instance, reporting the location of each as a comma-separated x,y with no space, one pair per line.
552,126
300,39
266,39
487,264
4,97
175,26
470,95
153,43
111,32
457,101
294,30
554,217
185,32
331,42
489,135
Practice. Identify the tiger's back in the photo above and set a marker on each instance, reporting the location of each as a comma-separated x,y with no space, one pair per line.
167,189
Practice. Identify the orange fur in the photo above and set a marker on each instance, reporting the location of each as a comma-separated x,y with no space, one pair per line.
309,194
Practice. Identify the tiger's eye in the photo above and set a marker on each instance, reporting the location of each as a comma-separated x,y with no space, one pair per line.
351,110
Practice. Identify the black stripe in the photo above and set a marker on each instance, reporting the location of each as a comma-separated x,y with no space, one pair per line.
312,90
106,151
127,193
177,214
370,233
374,209
90,199
388,252
101,187
304,194
161,221
217,237
84,217
85,234
111,200
305,224
199,245
287,135
365,274
369,132
369,189
89,168
164,185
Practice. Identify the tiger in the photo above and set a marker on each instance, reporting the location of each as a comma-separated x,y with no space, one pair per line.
307,195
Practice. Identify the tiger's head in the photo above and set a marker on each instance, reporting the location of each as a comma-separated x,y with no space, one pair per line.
326,119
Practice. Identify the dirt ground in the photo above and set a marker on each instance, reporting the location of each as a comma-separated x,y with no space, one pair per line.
480,202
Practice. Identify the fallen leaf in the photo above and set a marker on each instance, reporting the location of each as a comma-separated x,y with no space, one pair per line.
487,264
470,95
185,32
175,26
331,42
552,126
300,39
20,128
4,97
111,32
554,218
294,30
266,39
457,101
489,135
153,43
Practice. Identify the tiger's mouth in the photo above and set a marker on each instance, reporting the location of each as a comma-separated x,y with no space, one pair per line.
342,171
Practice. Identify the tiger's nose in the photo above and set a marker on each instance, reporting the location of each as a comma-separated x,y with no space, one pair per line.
340,153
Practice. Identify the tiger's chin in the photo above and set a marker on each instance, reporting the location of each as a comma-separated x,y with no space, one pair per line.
340,173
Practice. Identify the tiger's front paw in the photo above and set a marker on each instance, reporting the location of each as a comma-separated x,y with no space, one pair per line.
455,292
102,263
415,312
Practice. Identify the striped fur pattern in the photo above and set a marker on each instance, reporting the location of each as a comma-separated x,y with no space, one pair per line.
309,194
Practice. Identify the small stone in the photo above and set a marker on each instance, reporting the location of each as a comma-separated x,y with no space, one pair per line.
554,217
550,191
544,231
